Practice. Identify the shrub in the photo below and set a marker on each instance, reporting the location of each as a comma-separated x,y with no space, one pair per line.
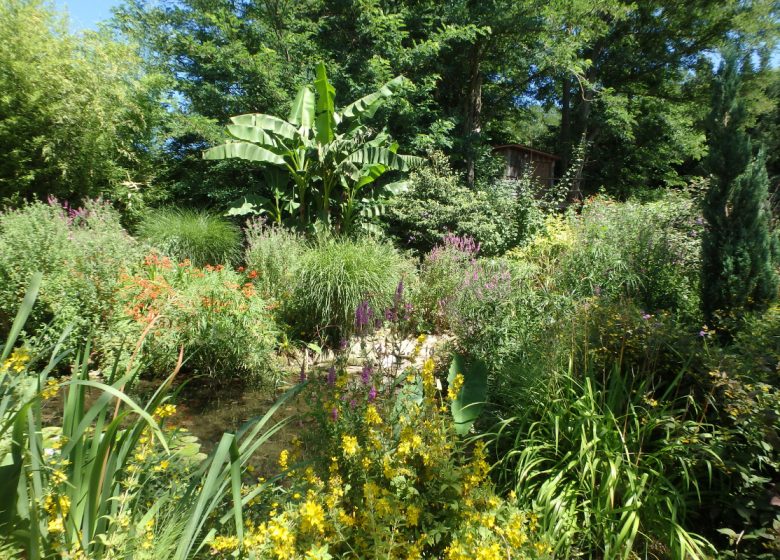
336,276
649,252
274,254
214,313
442,273
498,309
191,234
81,253
438,204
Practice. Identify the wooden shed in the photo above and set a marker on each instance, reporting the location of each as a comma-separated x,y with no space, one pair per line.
519,157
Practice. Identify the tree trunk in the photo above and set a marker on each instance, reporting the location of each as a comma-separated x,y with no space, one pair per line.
472,121
565,136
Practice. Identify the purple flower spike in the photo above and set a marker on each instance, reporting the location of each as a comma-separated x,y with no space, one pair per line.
332,376
365,374
334,414
372,394
363,315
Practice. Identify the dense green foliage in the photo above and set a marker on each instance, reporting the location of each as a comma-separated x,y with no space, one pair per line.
533,380
739,250
77,112
438,204
196,236
80,251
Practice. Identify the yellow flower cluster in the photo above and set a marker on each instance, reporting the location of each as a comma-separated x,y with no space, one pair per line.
349,445
50,390
16,362
164,411
312,516
456,386
405,489
57,507
372,417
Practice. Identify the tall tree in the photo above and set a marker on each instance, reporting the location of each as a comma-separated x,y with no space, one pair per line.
77,114
738,268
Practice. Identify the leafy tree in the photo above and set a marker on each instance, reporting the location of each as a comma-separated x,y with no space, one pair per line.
643,84
327,155
223,58
77,115
738,269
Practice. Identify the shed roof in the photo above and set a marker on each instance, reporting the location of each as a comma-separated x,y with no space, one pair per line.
520,147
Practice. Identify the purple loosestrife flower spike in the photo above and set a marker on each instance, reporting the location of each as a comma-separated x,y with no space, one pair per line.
332,376
362,315
365,374
372,394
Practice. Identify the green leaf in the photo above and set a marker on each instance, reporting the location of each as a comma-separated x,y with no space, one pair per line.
250,204
326,97
303,109
252,134
366,106
470,401
372,155
269,123
243,150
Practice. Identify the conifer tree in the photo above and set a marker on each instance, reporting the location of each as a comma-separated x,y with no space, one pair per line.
738,265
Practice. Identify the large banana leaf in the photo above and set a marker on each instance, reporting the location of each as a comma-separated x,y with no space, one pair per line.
326,98
384,156
367,106
269,123
369,174
303,110
470,400
243,150
253,134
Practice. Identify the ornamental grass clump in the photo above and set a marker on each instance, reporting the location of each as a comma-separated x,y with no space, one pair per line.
613,466
336,276
274,253
196,235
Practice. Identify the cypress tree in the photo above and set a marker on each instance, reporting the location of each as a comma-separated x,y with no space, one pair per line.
738,265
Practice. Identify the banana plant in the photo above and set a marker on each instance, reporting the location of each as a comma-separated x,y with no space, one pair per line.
331,158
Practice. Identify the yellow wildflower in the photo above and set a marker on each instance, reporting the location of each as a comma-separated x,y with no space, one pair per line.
456,386
372,416
349,445
50,390
222,544
164,411
17,361
312,516
284,456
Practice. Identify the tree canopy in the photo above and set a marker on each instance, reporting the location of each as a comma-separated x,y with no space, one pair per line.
166,76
